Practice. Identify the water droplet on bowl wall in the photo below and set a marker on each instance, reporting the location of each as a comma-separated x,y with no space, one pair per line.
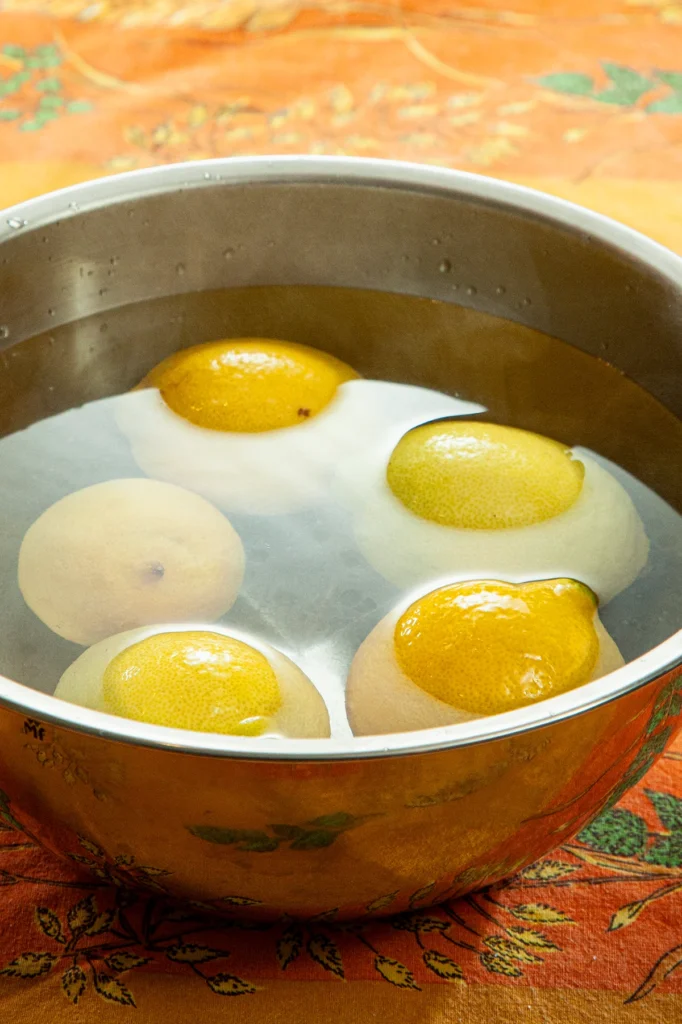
16,222
445,266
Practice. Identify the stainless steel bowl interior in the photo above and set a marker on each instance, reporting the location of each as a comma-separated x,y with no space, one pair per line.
193,233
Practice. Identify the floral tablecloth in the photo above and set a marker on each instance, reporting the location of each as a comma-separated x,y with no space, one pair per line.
581,99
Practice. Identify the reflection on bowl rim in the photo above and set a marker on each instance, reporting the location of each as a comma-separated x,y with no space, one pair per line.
38,213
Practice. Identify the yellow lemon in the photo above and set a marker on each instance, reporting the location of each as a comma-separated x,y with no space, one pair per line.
468,499
248,385
491,647
261,427
477,648
206,680
193,680
481,476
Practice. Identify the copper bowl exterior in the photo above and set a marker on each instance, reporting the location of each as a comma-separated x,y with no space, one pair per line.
368,826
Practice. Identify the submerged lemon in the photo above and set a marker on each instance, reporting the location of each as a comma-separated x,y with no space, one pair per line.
476,648
491,647
248,385
482,476
202,679
193,680
127,553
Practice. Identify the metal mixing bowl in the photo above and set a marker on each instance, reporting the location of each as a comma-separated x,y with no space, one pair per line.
372,825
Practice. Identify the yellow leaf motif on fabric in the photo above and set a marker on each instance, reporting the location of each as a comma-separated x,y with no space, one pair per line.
500,965
102,923
530,937
29,965
112,990
82,915
540,913
443,966
49,924
422,894
124,961
325,952
230,985
152,872
381,902
91,847
631,911
74,982
289,945
626,915
395,972
548,870
189,953
511,950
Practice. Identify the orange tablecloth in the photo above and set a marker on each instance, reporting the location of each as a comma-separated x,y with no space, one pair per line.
582,99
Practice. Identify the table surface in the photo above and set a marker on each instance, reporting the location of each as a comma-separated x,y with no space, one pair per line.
582,99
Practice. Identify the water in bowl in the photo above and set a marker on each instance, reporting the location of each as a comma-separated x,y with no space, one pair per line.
308,589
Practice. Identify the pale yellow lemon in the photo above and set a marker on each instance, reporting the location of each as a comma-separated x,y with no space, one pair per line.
194,680
248,385
468,498
481,476
260,426
477,648
127,553
203,679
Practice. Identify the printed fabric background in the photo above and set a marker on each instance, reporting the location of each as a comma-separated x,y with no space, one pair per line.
581,99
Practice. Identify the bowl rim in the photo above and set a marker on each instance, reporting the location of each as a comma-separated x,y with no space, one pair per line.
77,200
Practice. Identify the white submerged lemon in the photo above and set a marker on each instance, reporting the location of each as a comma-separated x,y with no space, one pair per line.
479,500
128,553
258,426
199,678
476,648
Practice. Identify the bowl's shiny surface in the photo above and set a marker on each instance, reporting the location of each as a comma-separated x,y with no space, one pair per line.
309,837
374,824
